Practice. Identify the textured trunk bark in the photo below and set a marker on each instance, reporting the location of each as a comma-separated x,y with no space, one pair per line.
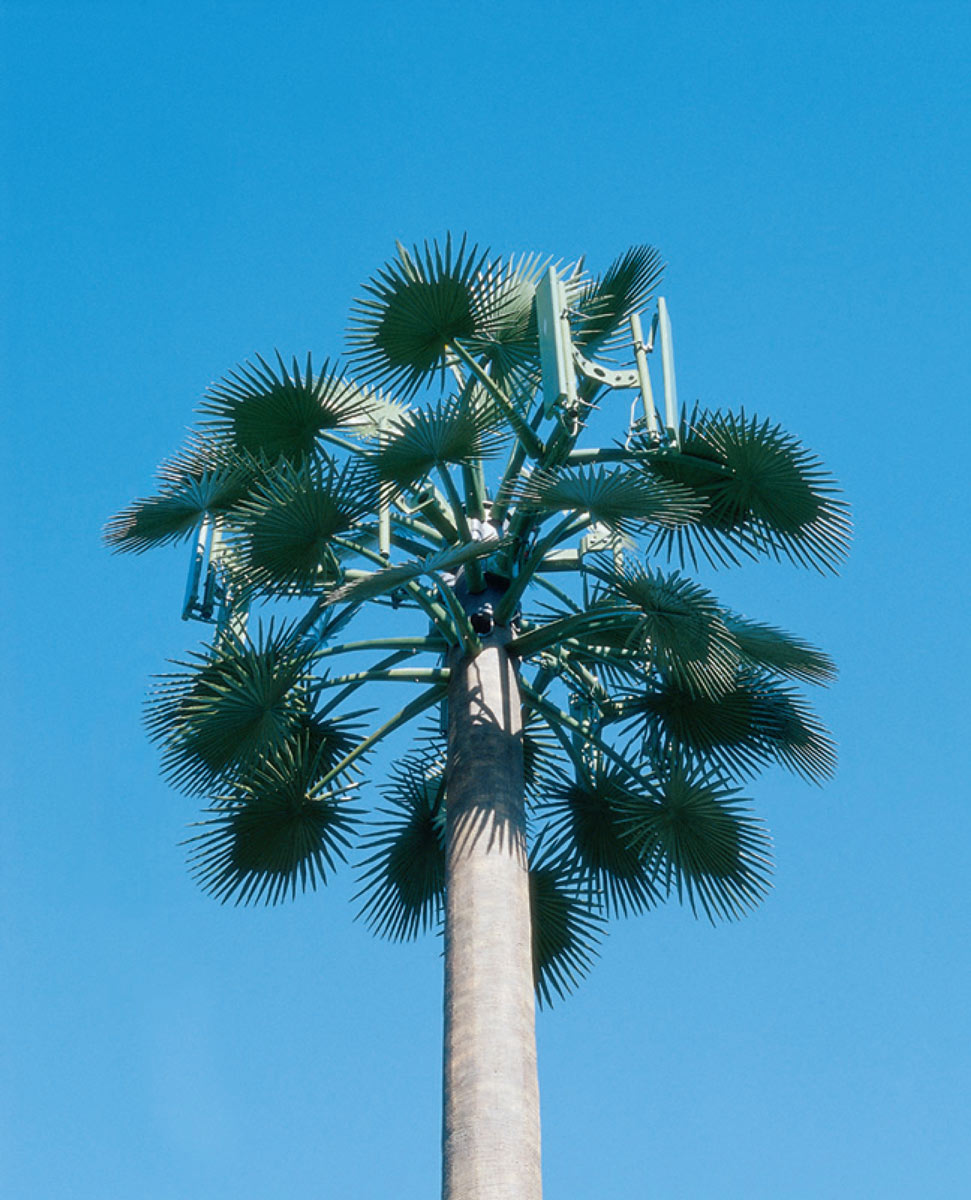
491,1139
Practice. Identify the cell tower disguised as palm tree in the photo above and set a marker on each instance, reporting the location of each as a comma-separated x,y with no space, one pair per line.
436,512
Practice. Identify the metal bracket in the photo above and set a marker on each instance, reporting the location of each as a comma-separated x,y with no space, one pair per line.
605,375
206,594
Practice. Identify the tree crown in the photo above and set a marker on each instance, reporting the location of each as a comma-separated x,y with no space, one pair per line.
444,475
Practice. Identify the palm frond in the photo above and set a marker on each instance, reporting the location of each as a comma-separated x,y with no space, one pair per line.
288,524
679,629
233,703
414,309
453,431
566,930
584,829
507,338
774,650
280,412
757,723
605,304
194,485
698,841
623,500
764,493
274,831
404,875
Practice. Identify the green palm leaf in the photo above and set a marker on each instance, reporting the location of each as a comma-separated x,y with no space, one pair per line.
404,876
288,524
278,412
699,842
507,336
624,500
775,650
415,308
679,628
274,831
454,431
606,304
198,483
232,704
585,830
566,931
758,723
764,493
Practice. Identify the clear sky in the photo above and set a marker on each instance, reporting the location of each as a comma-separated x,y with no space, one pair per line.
186,184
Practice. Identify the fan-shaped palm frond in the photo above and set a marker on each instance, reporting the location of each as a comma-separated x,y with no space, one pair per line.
624,500
757,723
456,431
281,412
507,338
566,930
764,493
584,829
416,307
775,650
404,876
194,485
700,842
288,524
235,702
679,629
274,831
605,304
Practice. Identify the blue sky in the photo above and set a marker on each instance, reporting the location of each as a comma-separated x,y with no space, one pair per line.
185,185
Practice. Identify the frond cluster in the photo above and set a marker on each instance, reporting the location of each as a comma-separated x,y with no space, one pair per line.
430,482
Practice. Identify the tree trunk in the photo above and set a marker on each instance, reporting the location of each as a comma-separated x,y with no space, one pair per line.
491,1140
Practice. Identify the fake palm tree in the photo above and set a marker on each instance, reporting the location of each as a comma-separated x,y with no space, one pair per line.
445,512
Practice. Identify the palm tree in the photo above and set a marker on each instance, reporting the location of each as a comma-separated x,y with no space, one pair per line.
590,712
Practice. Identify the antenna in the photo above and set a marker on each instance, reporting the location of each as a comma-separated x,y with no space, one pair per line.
561,362
667,367
555,343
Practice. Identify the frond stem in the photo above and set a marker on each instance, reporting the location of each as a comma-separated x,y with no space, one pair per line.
432,696
571,523
404,675
388,661
554,714
515,464
336,440
473,568
411,645
530,442
557,592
